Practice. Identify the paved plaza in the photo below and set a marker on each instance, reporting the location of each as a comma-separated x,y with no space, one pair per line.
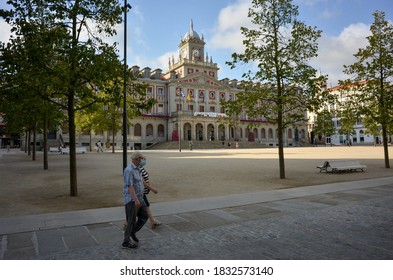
214,204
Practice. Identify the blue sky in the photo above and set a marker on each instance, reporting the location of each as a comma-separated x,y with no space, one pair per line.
155,28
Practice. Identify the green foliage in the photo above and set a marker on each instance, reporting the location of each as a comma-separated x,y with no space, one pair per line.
324,125
64,44
284,85
373,72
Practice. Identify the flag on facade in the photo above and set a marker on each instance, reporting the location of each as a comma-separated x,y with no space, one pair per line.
188,95
182,94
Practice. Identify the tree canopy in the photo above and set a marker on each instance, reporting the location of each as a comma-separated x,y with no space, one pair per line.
281,88
64,42
373,77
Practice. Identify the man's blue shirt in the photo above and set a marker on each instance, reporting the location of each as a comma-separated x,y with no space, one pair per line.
132,177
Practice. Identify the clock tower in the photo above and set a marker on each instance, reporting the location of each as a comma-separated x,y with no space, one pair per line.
192,57
192,46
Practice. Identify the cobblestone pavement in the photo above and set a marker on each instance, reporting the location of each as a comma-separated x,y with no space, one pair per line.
350,221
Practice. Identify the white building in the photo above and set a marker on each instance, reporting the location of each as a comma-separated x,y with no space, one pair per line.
360,135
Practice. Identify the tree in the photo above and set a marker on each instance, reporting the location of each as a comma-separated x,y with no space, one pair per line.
324,125
348,116
108,114
373,71
84,61
281,47
24,80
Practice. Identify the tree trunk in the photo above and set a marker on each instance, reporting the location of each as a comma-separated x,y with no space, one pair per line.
113,140
34,140
90,141
29,143
26,140
46,141
280,136
71,118
70,105
281,151
385,146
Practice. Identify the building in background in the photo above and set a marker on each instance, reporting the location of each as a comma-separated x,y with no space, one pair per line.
188,106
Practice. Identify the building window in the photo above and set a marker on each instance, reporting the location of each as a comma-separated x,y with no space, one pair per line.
137,130
161,108
202,96
160,131
160,91
190,93
212,109
149,90
201,108
361,136
85,132
149,130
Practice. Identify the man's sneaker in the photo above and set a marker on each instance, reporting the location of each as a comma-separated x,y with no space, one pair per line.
128,245
134,237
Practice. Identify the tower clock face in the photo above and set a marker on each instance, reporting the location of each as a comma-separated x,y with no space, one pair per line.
184,53
195,52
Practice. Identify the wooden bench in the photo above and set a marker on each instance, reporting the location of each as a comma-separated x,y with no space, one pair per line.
79,150
341,166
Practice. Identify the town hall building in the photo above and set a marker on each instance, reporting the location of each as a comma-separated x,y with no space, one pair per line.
188,106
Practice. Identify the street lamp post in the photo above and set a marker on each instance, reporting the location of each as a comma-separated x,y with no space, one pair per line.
126,6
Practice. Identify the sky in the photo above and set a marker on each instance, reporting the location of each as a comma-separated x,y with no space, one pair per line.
155,27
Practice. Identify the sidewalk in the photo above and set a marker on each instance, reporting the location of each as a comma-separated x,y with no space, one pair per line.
350,220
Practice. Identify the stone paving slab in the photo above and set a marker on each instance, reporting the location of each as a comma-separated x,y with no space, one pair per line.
349,224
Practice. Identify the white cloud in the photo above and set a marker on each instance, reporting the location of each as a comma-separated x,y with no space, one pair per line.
5,31
336,51
227,33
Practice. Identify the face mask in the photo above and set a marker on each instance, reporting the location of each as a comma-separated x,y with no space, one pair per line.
143,162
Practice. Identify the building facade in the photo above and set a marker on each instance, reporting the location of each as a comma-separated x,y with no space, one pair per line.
360,135
188,106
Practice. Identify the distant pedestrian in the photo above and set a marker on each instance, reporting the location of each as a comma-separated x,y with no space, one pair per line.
99,146
135,207
190,145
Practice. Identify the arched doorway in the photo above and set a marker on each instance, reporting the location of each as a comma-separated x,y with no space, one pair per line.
175,133
199,132
221,132
161,131
210,132
187,131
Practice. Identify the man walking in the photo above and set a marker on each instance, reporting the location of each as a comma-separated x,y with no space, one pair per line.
135,207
